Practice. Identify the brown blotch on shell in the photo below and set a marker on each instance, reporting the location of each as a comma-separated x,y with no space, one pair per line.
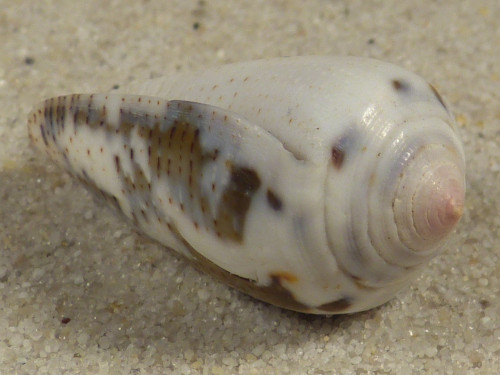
336,306
235,202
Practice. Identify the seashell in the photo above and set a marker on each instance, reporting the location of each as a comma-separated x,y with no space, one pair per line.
318,184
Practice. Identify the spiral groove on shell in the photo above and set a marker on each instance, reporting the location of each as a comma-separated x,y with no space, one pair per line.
316,184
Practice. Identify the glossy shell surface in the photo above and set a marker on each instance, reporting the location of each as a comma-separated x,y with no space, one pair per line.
318,184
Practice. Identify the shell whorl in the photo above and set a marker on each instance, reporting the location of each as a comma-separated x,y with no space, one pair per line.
407,181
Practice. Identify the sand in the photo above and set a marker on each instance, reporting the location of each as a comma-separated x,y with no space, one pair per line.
81,293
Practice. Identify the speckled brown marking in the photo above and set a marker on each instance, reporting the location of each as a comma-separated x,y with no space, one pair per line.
274,201
438,96
154,138
235,202
183,158
175,152
84,112
337,306
136,183
85,115
125,127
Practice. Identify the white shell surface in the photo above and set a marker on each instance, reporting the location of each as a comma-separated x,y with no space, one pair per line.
319,184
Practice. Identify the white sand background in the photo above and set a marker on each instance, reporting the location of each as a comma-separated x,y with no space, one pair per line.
80,293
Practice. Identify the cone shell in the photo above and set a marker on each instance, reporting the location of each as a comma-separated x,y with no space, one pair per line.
318,184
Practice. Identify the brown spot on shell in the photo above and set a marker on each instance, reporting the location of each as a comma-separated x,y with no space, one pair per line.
400,86
284,276
274,201
343,144
117,164
338,156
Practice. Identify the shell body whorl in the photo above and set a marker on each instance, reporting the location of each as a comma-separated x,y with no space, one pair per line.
317,184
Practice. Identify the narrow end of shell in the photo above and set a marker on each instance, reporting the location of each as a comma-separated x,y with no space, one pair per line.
438,204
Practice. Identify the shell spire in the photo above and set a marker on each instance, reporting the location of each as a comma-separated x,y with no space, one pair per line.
438,204
430,198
